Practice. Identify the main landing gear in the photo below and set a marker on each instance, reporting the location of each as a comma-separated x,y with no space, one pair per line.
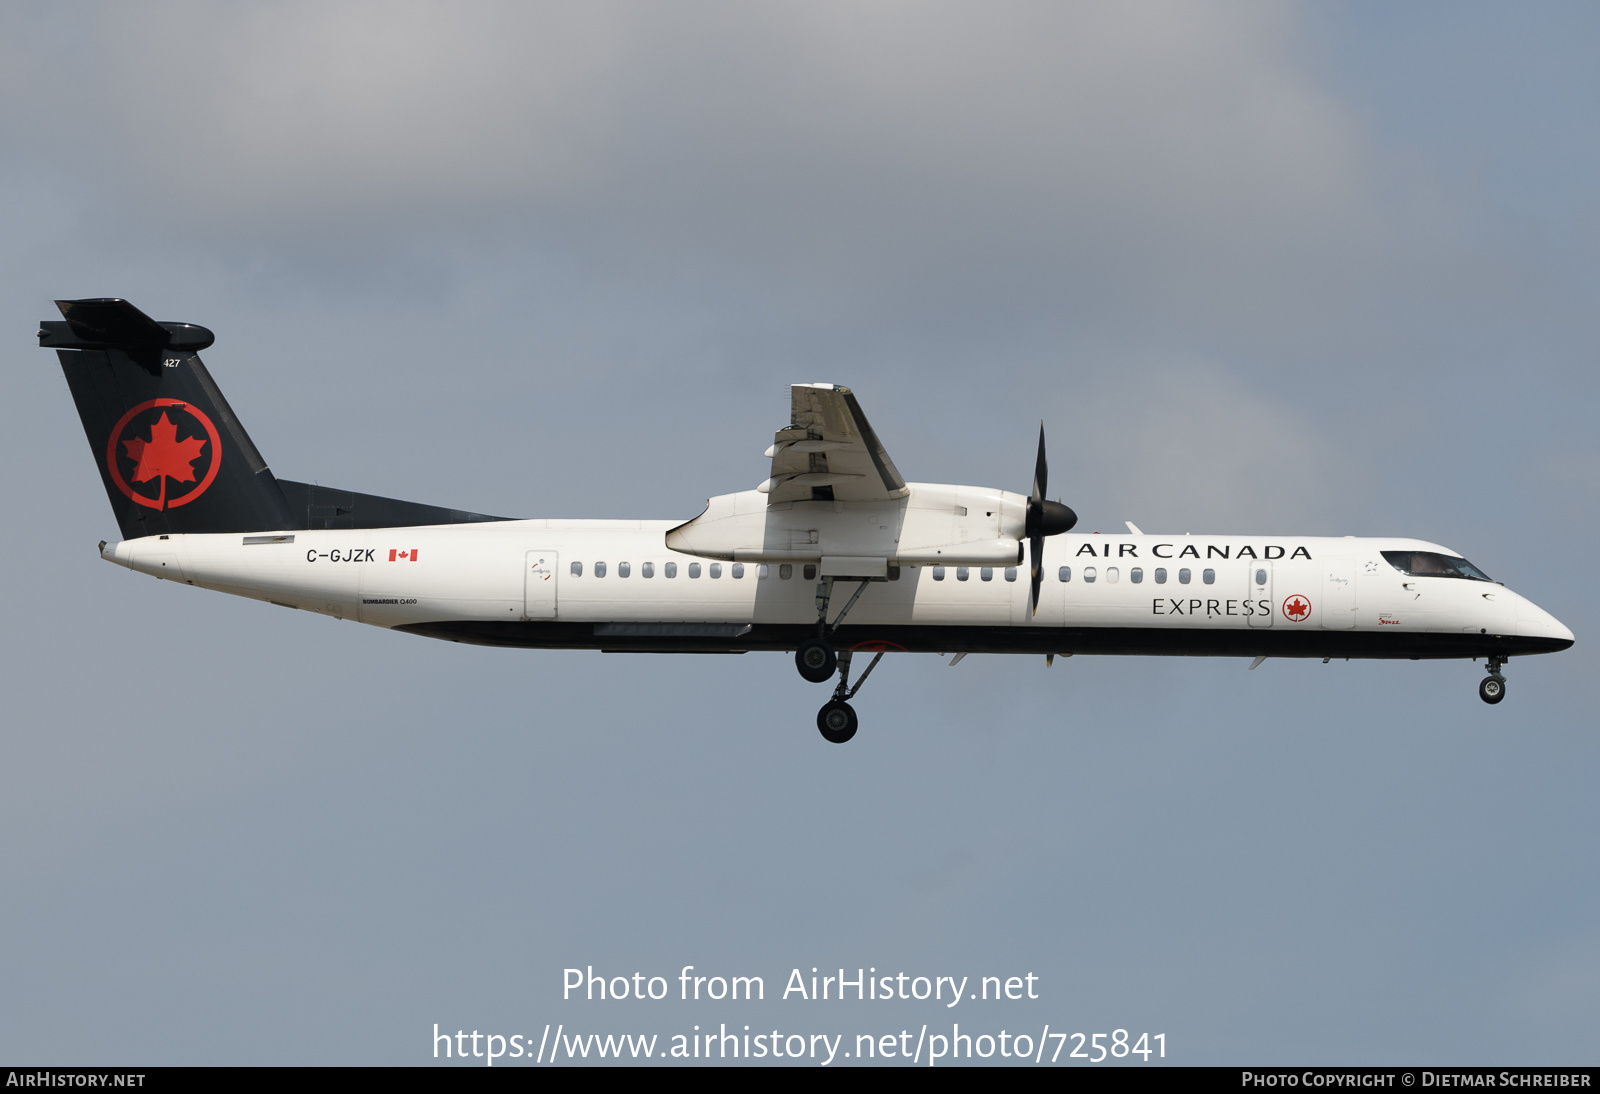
1492,688
837,721
816,658
817,661
837,718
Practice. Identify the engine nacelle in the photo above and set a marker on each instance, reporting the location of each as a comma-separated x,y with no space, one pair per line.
935,524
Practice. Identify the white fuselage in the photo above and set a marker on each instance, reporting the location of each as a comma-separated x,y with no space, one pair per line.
1182,594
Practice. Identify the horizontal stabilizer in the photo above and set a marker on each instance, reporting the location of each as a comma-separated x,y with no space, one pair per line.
110,323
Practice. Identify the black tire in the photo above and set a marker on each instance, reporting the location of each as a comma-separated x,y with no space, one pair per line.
837,722
1492,689
816,660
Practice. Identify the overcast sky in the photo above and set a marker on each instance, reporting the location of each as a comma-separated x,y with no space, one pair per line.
1271,268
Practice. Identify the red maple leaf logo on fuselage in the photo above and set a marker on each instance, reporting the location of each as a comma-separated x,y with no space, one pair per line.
163,456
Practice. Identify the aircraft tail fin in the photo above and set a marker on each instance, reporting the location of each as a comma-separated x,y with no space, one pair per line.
172,455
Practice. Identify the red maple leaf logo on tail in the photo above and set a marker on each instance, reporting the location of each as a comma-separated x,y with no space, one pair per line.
163,456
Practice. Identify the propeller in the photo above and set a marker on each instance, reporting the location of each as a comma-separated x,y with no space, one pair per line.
1045,518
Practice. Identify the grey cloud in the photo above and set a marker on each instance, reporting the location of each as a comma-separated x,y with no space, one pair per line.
1188,447
303,112
849,157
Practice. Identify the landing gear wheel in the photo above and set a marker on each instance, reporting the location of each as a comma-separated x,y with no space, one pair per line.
816,660
1492,689
837,721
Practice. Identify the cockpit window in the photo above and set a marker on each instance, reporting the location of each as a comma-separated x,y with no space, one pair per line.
1433,564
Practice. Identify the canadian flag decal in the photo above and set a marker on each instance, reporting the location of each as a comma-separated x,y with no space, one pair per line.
402,556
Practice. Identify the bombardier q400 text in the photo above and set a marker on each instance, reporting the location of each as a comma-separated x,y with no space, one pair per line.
835,554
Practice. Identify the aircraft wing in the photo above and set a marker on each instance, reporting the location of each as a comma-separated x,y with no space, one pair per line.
829,452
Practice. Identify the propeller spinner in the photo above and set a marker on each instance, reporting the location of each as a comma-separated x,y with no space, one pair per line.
1045,518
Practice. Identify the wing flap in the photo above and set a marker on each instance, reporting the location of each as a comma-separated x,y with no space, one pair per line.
829,451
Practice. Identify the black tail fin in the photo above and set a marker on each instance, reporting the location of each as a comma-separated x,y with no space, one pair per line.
172,455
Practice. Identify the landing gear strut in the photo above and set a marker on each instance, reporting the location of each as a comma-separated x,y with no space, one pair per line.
837,718
815,657
1492,688
817,661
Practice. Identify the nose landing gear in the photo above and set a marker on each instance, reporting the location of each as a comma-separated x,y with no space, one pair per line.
1492,688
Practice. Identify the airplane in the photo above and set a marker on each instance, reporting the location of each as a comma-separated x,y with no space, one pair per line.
834,554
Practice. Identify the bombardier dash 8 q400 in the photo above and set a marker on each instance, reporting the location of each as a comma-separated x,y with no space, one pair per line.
833,555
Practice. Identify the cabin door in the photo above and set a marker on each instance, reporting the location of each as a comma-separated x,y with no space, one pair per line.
539,585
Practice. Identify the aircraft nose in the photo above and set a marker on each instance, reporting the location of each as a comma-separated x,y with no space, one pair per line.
1534,622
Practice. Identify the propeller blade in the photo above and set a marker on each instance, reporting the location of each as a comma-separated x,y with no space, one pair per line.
1041,483
1035,561
1041,470
1045,518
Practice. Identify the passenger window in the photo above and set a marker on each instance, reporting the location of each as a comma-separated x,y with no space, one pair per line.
938,573
785,571
961,573
716,569
1089,574
738,569
624,569
1112,575
1209,576
1183,576
1161,575
761,571
577,569
1065,573
647,569
986,573
894,573
809,572
670,569
1011,573
1261,578
599,569
694,569
1136,575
